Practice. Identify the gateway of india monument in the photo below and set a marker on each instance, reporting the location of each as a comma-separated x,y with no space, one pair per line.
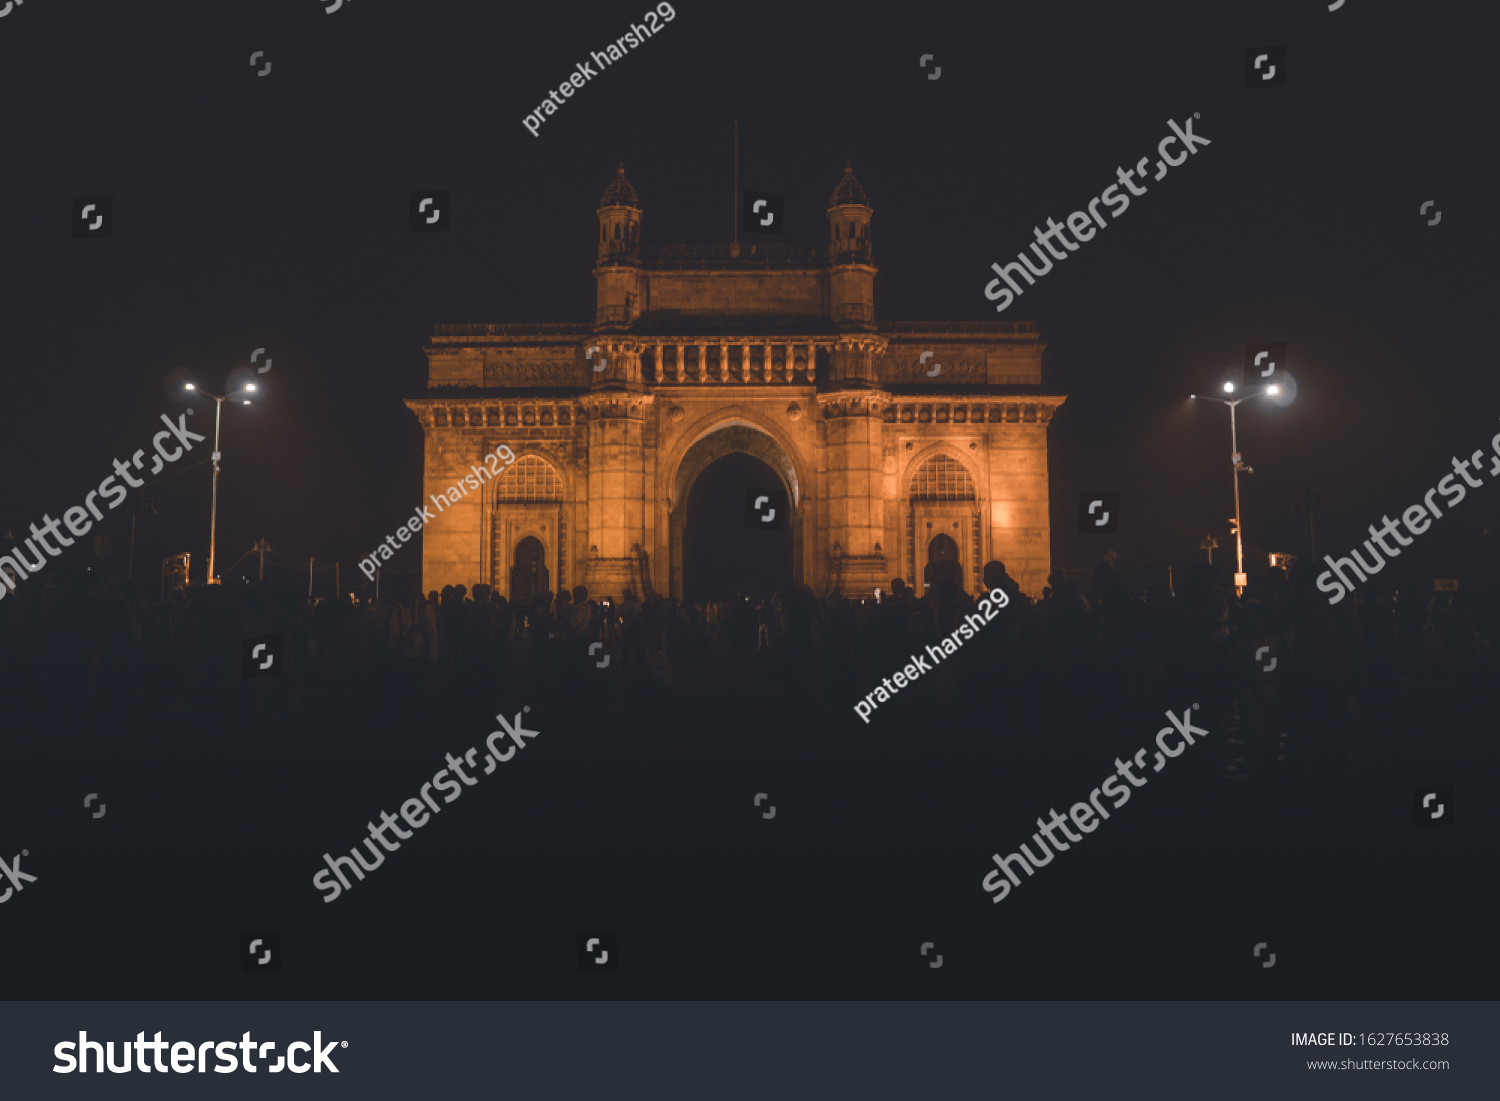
888,457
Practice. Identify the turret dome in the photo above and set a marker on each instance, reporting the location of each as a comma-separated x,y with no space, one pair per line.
620,193
849,192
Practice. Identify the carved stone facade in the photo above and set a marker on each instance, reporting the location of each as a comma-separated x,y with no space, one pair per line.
890,439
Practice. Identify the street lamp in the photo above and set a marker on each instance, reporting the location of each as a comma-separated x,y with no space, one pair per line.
213,523
1239,543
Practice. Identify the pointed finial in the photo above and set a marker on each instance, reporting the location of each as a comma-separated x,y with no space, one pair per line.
621,170
848,168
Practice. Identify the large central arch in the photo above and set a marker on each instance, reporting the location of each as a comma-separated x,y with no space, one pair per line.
734,434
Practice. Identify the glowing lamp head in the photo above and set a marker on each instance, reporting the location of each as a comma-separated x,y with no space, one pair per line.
250,387
1273,390
1229,388
190,386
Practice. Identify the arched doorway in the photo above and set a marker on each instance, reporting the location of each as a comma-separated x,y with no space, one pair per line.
941,549
773,469
529,504
722,558
529,576
943,520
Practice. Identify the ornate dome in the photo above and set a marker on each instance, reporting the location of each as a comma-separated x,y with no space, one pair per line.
849,191
620,193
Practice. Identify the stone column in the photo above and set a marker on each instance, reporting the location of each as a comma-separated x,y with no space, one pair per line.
765,362
723,361
680,351
702,362
853,494
677,524
617,498
1018,515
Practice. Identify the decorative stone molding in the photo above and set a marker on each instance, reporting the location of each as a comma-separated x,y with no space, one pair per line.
448,413
853,403
861,342
675,413
794,411
967,371
971,411
616,404
531,372
610,346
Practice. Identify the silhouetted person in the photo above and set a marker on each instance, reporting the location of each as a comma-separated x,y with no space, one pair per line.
939,612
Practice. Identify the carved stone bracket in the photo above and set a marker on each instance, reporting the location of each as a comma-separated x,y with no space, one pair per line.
862,342
853,403
616,404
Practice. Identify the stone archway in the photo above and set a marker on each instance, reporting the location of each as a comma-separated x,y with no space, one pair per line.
532,499
723,555
529,576
941,548
728,437
943,493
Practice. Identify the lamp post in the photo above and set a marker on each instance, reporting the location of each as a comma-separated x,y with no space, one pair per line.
1234,446
1307,503
213,522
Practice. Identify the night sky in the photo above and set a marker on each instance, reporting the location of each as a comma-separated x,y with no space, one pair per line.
272,212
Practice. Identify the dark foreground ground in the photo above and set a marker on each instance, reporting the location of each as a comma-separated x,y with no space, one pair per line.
634,813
